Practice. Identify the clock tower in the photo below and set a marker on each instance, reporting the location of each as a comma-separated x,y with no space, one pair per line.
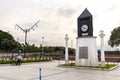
84,21
86,50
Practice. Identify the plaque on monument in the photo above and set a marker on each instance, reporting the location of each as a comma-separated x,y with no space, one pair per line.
83,52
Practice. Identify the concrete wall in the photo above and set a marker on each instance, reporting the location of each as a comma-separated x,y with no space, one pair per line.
90,42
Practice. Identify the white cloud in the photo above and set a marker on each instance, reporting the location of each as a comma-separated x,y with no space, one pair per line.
57,18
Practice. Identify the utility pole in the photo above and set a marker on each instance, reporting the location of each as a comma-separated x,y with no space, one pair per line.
26,31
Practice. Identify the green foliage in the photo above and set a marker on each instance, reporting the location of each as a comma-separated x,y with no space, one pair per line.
70,64
24,60
32,48
27,60
115,37
5,60
71,50
7,42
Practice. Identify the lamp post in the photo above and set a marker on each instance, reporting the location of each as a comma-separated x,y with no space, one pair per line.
40,51
26,31
66,49
43,41
102,48
43,46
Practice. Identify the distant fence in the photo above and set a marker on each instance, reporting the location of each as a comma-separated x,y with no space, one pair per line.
34,55
110,56
5,55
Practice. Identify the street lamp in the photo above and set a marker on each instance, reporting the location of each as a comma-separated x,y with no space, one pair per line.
26,31
66,49
40,55
43,40
42,45
102,48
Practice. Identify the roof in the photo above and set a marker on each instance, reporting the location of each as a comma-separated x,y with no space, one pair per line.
85,14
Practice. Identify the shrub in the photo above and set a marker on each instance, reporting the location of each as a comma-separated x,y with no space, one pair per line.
24,60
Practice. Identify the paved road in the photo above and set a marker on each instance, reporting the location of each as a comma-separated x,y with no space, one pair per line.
50,71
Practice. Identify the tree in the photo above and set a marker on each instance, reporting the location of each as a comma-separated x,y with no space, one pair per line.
7,42
114,39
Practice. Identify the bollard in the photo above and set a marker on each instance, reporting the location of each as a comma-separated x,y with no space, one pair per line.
40,78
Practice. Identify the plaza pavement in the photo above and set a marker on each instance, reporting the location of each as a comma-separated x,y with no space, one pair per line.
50,71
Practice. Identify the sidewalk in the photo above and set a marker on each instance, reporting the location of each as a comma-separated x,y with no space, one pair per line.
50,71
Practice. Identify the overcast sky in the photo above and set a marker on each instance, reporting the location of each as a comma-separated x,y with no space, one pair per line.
57,18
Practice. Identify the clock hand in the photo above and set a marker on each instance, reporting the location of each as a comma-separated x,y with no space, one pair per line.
84,27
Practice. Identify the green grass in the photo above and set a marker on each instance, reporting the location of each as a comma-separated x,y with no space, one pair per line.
107,66
69,64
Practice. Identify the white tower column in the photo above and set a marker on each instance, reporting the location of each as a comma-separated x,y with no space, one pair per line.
66,49
102,48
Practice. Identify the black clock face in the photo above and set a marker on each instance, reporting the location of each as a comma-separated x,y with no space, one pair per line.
84,28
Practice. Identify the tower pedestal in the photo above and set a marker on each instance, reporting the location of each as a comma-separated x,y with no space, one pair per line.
86,52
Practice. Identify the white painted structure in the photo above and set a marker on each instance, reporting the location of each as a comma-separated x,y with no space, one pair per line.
102,48
66,49
90,43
